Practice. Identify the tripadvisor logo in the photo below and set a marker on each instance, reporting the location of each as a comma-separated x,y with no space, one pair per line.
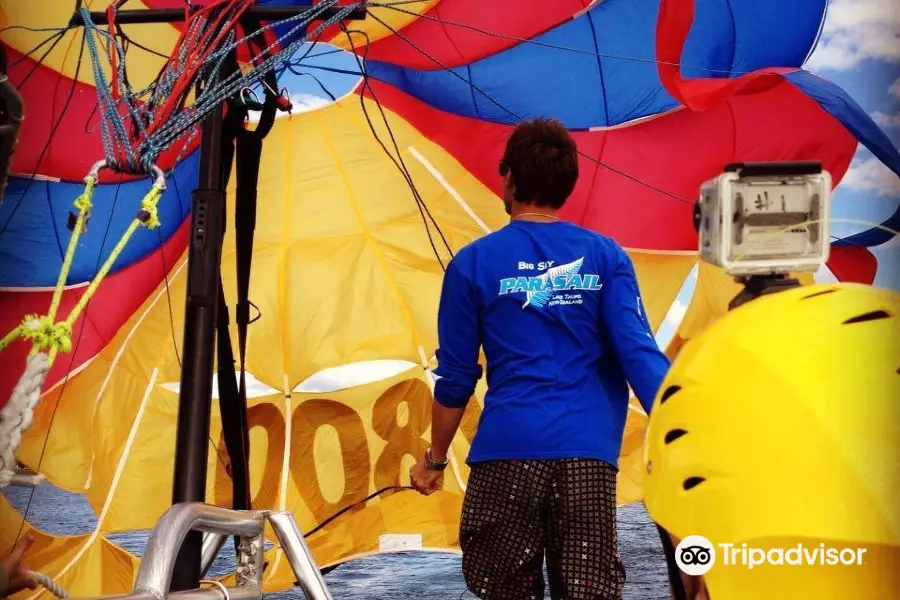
696,555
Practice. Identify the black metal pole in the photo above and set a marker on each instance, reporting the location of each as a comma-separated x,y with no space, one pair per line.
175,15
195,398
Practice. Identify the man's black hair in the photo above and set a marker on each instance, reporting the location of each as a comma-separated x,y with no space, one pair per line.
543,160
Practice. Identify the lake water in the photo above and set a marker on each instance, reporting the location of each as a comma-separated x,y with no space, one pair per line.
427,576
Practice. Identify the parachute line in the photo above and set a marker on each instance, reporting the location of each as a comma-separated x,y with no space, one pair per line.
53,130
450,190
533,42
346,509
398,161
56,38
519,118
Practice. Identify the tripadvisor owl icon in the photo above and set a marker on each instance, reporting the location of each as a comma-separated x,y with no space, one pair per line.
695,555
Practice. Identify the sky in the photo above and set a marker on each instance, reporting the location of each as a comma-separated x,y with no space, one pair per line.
859,50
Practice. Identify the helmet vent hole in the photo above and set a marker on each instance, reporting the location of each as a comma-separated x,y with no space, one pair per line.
822,293
869,316
692,482
670,391
673,435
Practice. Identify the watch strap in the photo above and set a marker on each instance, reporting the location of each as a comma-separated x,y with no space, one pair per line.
432,464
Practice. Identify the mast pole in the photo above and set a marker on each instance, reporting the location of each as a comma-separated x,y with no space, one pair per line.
198,348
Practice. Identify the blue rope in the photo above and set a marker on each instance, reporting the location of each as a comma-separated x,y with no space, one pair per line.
218,92
116,139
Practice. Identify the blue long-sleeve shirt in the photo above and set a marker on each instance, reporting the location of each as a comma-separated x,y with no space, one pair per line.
558,311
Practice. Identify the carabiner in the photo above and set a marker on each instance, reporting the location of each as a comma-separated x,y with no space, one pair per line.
94,173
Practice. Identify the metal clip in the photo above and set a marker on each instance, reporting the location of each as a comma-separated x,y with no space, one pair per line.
283,101
94,173
250,103
160,176
98,166
282,98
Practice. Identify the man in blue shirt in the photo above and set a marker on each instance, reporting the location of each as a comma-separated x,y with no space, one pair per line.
558,311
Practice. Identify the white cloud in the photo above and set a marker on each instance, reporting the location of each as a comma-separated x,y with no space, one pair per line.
886,120
855,30
301,101
869,175
306,102
894,90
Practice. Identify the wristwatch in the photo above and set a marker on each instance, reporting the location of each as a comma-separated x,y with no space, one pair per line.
434,465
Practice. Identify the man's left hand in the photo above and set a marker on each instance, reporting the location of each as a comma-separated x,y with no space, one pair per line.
17,569
424,480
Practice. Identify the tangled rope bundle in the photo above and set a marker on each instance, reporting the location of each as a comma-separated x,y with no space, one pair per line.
160,115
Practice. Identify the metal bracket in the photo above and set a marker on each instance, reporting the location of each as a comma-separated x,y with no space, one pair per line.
155,574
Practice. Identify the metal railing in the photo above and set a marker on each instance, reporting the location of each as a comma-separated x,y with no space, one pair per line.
218,524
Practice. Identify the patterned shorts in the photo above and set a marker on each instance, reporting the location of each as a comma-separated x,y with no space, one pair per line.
515,512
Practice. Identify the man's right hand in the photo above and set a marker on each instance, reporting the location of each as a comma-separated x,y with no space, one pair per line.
17,569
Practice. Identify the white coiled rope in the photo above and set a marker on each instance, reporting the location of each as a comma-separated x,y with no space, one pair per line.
18,413
15,418
51,586
220,585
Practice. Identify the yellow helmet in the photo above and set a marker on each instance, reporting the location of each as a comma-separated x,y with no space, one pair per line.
779,426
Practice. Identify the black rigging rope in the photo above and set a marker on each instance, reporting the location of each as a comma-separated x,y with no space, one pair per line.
519,118
533,42
398,160
56,38
59,120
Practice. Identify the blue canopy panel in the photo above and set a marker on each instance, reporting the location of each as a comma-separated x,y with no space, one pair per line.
287,33
842,107
623,84
34,242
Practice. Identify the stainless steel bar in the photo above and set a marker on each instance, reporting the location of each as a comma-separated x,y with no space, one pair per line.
155,574
302,562
212,543
206,593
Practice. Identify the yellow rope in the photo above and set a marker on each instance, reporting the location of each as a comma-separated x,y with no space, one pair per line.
10,337
44,332
83,203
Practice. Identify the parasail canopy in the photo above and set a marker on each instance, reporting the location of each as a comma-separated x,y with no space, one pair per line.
361,203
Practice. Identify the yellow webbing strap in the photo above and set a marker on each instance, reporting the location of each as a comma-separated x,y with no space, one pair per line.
45,333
